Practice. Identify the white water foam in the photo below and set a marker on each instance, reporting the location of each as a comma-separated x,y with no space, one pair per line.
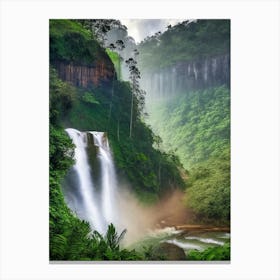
185,246
205,240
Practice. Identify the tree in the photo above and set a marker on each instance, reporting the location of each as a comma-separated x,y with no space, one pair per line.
101,27
118,47
158,142
137,93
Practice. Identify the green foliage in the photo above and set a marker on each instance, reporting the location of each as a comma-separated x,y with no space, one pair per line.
61,150
208,193
89,98
70,42
147,198
61,97
60,218
107,247
185,41
113,240
115,58
220,253
197,126
60,146
60,27
151,253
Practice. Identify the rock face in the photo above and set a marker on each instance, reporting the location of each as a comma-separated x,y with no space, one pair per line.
186,76
85,76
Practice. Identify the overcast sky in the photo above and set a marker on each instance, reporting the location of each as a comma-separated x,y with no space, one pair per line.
141,28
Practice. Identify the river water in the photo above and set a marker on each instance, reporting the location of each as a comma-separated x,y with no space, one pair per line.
195,240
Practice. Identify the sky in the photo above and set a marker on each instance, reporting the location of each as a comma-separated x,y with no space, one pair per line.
141,28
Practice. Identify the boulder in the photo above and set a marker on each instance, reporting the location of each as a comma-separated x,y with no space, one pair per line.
169,252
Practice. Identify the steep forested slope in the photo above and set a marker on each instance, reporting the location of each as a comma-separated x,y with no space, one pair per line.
196,125
187,78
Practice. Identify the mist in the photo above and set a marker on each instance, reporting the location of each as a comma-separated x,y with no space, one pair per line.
141,28
141,219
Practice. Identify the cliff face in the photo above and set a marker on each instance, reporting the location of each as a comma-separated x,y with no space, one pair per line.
85,76
186,76
77,56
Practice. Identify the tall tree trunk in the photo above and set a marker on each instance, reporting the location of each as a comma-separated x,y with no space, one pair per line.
118,130
131,116
159,172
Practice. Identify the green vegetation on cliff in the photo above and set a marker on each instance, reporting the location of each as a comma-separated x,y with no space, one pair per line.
196,126
185,41
116,61
70,42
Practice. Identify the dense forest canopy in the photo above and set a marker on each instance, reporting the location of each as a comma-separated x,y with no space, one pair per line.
188,40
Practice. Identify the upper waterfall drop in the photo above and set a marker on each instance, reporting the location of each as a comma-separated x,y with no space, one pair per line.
90,191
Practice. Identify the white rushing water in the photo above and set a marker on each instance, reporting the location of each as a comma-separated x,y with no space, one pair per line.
185,246
205,240
98,195
108,177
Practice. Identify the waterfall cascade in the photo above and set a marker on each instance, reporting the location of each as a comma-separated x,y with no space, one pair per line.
90,186
186,76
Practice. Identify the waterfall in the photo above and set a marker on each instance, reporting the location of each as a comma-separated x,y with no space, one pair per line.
195,71
205,75
108,177
90,187
186,76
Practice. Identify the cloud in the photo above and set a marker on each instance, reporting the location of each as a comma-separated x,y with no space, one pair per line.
141,28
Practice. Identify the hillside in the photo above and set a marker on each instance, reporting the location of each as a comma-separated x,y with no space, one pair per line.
187,79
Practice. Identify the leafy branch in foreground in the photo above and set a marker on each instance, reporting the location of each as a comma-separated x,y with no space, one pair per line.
111,238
